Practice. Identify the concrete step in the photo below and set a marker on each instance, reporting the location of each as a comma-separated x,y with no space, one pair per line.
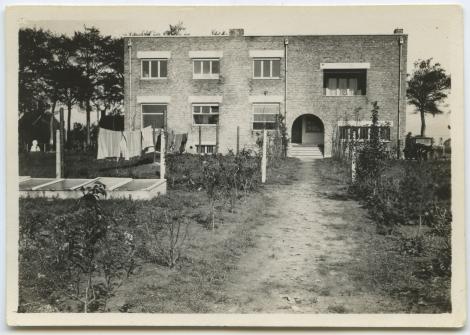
305,152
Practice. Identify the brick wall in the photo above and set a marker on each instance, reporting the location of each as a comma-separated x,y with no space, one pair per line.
235,84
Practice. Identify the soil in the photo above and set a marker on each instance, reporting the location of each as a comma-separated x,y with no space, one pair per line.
305,248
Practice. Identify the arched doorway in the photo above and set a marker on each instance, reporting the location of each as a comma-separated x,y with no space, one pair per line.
308,129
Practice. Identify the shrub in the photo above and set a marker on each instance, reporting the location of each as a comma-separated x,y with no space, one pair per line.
83,255
166,230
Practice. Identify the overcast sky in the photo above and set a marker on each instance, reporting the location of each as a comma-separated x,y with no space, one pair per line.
430,29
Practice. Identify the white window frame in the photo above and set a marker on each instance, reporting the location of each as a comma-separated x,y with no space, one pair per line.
271,59
358,139
150,60
201,75
263,104
152,104
203,105
205,146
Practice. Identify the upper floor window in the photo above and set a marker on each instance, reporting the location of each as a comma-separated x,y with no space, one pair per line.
344,82
266,68
153,115
206,68
206,114
265,116
154,68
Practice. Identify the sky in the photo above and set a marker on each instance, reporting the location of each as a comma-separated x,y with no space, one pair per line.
431,30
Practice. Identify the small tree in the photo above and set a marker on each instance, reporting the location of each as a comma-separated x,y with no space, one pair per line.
371,156
427,88
175,30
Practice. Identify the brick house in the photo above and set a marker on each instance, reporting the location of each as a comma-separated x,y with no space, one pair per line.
217,87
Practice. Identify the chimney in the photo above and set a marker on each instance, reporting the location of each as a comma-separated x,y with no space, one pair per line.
398,31
236,32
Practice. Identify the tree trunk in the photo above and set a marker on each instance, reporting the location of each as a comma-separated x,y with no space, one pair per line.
423,123
88,135
51,126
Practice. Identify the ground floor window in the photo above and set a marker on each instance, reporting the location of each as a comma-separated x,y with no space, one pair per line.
363,132
205,149
206,114
153,115
265,116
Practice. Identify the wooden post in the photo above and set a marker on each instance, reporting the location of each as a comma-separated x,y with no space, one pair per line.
162,155
58,168
353,159
200,140
62,141
154,144
238,140
263,159
217,139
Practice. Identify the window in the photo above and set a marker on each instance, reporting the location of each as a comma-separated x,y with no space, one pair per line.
205,149
265,116
266,68
153,115
154,68
344,82
363,132
205,114
206,68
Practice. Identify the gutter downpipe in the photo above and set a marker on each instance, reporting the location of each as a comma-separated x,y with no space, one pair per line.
400,43
129,48
286,42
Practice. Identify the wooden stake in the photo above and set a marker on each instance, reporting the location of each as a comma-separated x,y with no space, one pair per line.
62,141
162,155
263,159
58,168
200,140
353,159
217,139
154,144
238,140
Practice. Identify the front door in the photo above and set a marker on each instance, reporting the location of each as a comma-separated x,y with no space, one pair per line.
297,131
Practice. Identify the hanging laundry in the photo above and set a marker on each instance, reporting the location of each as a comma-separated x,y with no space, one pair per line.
147,138
124,152
134,143
177,144
184,140
108,143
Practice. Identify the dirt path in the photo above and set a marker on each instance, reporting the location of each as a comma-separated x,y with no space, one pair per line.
308,237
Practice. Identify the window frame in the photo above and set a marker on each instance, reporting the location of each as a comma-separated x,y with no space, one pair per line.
210,104
202,75
150,60
270,59
358,132
263,104
205,146
361,76
152,104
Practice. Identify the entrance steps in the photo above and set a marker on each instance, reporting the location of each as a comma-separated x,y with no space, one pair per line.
304,152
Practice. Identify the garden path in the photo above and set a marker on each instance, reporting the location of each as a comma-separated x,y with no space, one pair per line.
308,236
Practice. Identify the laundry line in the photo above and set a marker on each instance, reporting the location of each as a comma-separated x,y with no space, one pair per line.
133,143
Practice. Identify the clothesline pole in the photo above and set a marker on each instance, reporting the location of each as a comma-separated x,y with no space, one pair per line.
58,167
162,155
200,140
238,140
263,158
217,139
154,144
